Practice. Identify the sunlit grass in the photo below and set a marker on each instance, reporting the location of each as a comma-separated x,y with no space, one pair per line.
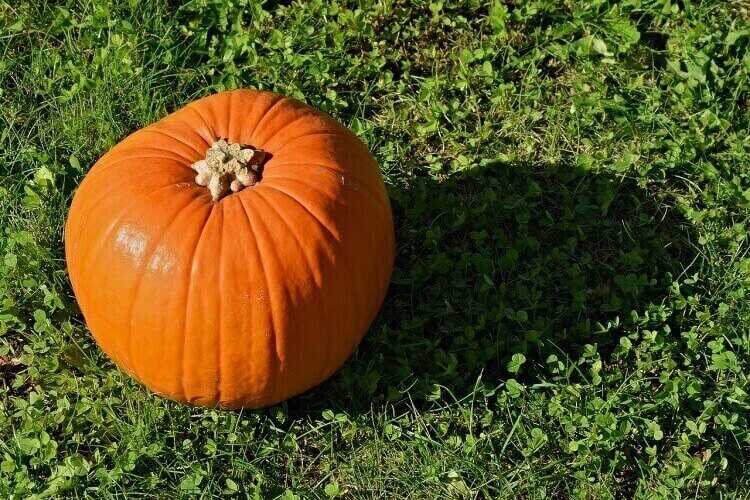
567,316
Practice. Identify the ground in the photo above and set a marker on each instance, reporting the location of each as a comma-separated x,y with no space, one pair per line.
568,315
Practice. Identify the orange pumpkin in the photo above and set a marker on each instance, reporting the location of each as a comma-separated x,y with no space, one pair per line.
232,297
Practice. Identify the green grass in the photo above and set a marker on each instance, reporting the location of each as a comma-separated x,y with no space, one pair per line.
568,316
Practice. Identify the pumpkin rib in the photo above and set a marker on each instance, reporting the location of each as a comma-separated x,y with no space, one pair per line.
237,128
102,166
321,166
219,299
122,156
144,262
201,349
268,112
209,106
315,217
155,130
113,186
230,106
108,232
206,123
330,241
318,278
274,351
312,187
343,258
313,134
300,163
253,342
129,206
376,200
273,104
93,205
323,193
191,269
382,209
284,295
322,129
286,125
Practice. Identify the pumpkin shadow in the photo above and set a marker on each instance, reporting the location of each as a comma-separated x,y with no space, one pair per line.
501,259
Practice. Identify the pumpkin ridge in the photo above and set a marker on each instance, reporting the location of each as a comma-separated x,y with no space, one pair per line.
275,350
92,206
310,268
155,129
144,262
185,329
312,134
284,295
126,210
211,131
220,296
383,211
376,200
328,236
343,259
358,171
321,166
318,278
230,106
283,127
337,239
265,115
182,161
208,106
334,199
114,225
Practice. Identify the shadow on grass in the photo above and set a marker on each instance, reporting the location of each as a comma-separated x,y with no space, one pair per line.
503,259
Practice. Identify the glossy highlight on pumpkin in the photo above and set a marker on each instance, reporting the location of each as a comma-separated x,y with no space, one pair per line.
247,300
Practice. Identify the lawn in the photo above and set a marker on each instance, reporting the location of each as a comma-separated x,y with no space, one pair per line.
569,313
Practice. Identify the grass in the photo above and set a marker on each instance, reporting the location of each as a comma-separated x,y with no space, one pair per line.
568,316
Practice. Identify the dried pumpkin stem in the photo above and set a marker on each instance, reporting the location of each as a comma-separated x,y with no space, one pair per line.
228,167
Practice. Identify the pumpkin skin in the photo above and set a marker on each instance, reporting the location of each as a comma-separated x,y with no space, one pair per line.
249,300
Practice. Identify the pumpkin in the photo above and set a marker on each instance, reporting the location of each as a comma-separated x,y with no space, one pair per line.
233,253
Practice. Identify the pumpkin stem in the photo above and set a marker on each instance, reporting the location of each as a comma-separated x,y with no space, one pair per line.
228,166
